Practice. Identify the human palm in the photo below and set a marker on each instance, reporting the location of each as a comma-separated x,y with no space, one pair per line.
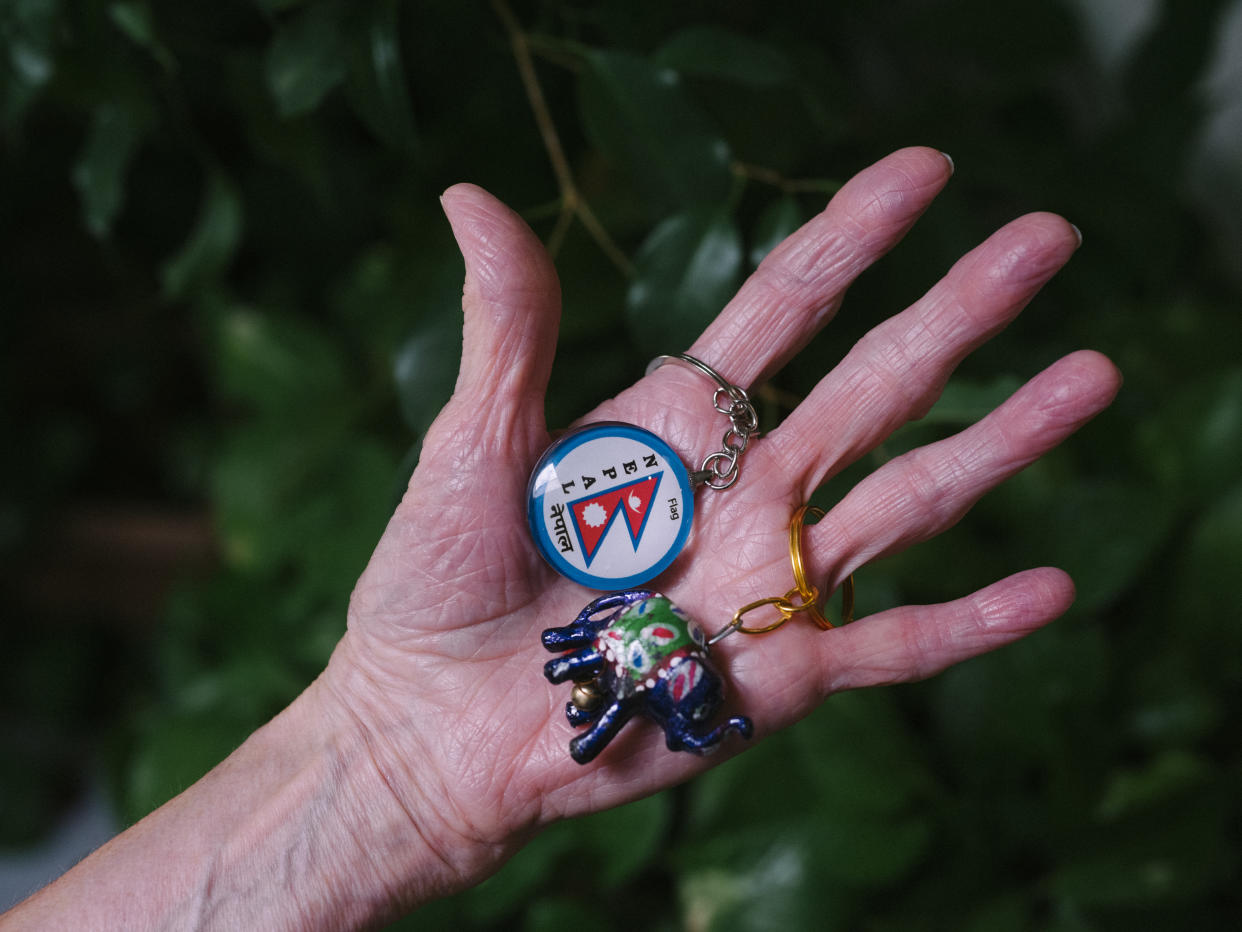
441,666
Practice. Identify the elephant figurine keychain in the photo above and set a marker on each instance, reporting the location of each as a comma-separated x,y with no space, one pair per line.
636,652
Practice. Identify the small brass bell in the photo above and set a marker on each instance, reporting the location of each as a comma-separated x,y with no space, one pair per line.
586,696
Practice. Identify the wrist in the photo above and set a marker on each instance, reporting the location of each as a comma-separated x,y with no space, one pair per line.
410,819
301,827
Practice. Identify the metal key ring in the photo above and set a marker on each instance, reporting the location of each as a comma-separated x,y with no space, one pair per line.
686,359
743,421
804,588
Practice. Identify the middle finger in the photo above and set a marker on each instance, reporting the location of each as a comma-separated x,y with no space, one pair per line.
896,372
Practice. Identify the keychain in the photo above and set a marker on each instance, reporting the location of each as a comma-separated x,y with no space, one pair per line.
610,504
635,652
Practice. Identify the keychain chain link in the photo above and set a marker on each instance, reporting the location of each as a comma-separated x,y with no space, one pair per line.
806,593
721,469
784,604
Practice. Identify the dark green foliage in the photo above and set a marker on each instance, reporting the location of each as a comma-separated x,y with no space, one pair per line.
684,272
228,289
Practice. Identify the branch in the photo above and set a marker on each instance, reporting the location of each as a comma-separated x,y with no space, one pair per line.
572,205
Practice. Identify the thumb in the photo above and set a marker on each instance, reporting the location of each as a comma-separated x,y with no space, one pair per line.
511,303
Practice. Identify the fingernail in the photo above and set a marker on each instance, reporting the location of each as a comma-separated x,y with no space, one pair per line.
948,158
1077,232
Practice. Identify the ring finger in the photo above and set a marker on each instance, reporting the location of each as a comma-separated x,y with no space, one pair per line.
926,491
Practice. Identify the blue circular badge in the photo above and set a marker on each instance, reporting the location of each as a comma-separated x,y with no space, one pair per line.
609,505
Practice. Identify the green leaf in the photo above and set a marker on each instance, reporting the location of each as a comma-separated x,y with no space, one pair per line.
716,52
206,254
724,798
851,778
779,219
623,840
643,119
518,881
100,170
28,31
279,365
1104,533
869,851
555,914
776,883
618,843
135,20
255,484
1205,588
425,369
1007,912
174,751
377,79
1165,776
884,770
289,497
392,289
1194,442
250,687
340,525
685,272
999,714
593,298
963,402
307,58
1177,713
1165,853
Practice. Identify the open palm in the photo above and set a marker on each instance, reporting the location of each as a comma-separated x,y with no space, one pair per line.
441,666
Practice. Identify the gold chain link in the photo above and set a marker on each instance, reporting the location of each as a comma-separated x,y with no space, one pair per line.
806,594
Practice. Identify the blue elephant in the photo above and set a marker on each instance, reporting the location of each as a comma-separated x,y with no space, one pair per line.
636,652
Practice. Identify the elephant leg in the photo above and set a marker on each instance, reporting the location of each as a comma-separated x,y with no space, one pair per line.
587,745
680,736
577,716
567,638
584,664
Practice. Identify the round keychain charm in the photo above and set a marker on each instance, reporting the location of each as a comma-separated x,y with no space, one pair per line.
610,505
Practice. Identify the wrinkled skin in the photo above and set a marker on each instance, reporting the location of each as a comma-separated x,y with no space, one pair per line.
440,669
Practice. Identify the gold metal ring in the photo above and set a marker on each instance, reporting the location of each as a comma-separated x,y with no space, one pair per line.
781,606
808,592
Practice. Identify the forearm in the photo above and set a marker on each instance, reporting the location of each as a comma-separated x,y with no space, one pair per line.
296,829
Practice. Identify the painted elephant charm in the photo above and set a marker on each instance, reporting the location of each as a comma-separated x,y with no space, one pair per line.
636,652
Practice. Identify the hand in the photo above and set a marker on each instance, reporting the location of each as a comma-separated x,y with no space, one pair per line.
441,666
432,746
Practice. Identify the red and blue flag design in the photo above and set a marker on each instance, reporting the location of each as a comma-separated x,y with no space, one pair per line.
595,514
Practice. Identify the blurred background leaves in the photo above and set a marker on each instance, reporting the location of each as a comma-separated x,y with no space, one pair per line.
229,312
